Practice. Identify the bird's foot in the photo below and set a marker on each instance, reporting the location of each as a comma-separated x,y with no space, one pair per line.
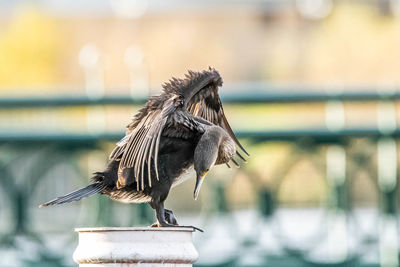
191,226
170,217
166,218
165,224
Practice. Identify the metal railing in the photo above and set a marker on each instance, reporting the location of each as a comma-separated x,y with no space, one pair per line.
329,148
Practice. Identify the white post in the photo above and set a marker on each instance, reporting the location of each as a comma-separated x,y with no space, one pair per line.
135,246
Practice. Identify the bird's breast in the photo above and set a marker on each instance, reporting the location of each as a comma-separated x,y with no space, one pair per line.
129,196
186,174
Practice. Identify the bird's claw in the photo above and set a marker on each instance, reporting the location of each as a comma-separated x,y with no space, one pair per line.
170,218
194,227
157,224
167,219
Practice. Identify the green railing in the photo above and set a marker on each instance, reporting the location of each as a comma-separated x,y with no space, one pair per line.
29,160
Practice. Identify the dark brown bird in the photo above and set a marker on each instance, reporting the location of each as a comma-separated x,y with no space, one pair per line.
182,129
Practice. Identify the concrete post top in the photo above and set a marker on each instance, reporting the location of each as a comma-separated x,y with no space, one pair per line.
134,229
135,246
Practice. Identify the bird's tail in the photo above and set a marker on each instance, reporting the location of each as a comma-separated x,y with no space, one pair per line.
77,195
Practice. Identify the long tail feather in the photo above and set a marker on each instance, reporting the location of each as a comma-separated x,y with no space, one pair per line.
76,195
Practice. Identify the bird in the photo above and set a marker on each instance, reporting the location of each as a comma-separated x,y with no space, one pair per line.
180,133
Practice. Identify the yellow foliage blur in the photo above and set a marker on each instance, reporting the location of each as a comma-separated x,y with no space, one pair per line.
29,51
355,45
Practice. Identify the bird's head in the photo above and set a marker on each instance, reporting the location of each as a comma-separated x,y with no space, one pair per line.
205,156
202,168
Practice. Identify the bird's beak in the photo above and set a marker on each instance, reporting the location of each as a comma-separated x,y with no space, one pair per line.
199,181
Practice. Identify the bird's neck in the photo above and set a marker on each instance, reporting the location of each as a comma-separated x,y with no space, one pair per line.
217,142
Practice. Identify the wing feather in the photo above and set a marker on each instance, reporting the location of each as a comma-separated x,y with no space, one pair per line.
156,154
137,150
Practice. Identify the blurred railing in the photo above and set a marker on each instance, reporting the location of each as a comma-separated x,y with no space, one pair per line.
28,159
253,95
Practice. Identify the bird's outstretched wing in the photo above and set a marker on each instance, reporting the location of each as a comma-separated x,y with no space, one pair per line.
200,94
142,140
162,116
196,94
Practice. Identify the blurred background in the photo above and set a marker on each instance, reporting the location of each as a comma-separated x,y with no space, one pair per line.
311,87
